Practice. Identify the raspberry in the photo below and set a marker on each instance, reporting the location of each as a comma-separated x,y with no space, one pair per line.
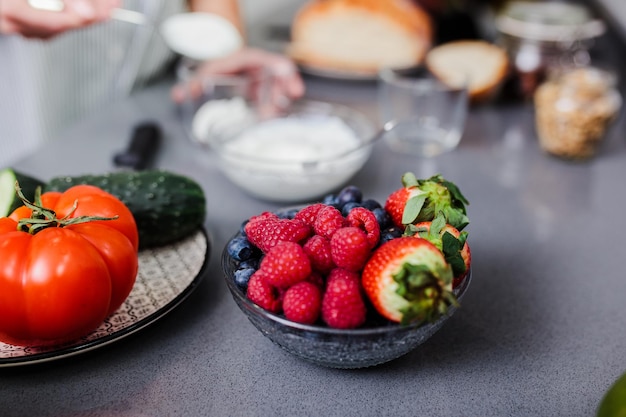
317,279
328,221
285,264
318,250
266,232
343,306
364,219
266,215
308,214
303,303
261,293
350,248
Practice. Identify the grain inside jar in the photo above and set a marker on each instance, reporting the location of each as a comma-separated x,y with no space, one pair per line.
573,111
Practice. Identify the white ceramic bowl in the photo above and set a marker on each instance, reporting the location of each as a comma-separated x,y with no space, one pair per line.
305,152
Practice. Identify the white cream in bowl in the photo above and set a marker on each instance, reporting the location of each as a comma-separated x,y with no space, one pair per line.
295,140
293,158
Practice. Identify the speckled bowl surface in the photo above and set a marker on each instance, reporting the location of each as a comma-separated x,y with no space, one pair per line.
334,348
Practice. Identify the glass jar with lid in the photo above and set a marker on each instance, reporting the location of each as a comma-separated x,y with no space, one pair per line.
541,36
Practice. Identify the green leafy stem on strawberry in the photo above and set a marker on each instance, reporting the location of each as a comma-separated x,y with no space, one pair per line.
422,199
409,281
427,299
447,239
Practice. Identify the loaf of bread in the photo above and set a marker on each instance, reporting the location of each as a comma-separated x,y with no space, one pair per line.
360,36
480,64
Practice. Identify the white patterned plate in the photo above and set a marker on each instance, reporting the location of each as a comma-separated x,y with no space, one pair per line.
167,275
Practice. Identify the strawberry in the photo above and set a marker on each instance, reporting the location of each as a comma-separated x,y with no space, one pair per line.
364,219
318,249
261,293
303,303
451,242
408,280
285,264
328,221
343,306
350,248
397,201
422,200
265,231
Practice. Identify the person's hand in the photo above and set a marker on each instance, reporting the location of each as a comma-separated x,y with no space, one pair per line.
276,72
18,17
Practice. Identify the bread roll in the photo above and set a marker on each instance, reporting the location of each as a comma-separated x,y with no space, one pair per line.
360,36
482,65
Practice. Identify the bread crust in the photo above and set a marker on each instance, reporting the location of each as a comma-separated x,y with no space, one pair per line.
496,66
409,19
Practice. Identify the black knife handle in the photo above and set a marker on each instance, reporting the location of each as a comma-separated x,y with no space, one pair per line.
144,143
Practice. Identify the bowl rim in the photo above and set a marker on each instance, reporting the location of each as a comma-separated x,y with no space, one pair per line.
419,81
301,108
237,292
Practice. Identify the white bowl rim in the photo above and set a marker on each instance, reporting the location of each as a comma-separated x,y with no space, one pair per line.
313,107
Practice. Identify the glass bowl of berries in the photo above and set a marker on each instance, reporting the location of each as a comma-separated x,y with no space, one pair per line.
339,284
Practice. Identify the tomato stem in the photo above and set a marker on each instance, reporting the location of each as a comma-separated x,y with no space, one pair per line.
42,217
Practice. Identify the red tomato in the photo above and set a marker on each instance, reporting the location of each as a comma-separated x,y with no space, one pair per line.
7,225
60,283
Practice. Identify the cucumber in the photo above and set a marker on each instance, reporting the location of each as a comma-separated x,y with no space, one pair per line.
9,200
166,206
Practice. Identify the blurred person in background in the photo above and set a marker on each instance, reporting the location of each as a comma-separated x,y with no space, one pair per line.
59,66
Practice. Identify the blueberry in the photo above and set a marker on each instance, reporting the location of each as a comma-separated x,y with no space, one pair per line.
390,233
371,204
250,263
242,228
345,210
382,217
350,193
240,249
287,213
329,199
242,276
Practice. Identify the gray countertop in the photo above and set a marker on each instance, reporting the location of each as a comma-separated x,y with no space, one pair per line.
541,332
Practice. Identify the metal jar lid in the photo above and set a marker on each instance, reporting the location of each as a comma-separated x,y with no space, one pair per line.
549,22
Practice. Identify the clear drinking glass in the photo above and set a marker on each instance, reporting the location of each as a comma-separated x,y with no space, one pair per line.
421,115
